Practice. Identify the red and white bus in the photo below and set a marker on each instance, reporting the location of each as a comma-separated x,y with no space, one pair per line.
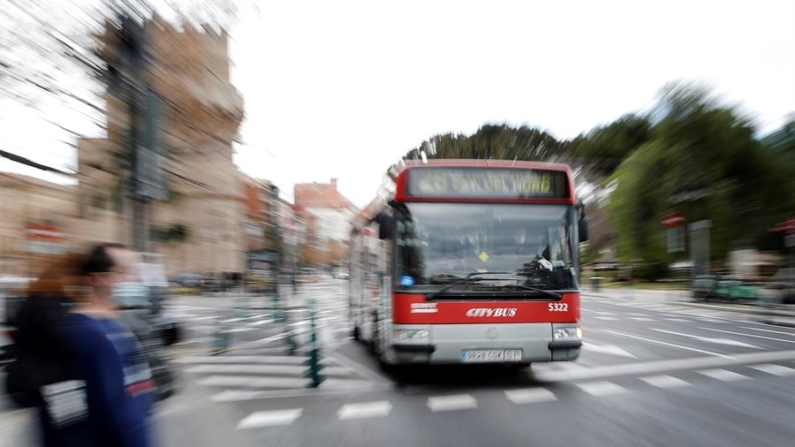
470,261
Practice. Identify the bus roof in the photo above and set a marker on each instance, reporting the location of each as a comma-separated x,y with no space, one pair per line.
399,173
564,192
470,163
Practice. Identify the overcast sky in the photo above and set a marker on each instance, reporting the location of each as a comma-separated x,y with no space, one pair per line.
343,89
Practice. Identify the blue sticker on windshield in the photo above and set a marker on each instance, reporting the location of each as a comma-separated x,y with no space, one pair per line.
406,281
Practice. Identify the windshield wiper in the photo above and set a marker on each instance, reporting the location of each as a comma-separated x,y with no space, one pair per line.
470,278
555,295
477,277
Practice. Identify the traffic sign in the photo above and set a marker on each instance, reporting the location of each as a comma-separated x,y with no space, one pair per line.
673,220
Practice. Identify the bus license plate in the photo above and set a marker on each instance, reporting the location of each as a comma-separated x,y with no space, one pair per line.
492,355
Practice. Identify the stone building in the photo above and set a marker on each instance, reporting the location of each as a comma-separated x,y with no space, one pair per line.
331,216
201,224
37,222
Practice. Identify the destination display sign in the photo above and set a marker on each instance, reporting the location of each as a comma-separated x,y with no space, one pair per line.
486,182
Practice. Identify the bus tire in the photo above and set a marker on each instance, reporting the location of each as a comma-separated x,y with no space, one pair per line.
521,367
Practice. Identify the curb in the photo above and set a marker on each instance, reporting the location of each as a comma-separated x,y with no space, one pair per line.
789,324
748,310
752,311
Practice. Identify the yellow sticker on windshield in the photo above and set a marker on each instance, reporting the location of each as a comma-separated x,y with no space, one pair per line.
483,256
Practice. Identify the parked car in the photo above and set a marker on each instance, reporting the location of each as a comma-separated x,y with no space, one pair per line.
187,279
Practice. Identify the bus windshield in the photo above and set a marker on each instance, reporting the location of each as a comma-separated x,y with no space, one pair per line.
439,244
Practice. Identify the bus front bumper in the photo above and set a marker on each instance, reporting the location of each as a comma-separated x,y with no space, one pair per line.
449,343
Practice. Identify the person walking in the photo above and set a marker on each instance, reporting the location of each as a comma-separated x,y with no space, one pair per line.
102,394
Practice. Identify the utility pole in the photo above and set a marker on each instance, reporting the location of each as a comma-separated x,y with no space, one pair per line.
275,229
127,76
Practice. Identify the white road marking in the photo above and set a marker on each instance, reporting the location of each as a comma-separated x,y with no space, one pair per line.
767,330
270,418
271,338
241,329
345,384
267,369
601,388
776,370
749,335
259,359
261,322
450,403
719,341
244,395
723,375
664,381
530,396
672,345
247,369
365,410
254,382
606,349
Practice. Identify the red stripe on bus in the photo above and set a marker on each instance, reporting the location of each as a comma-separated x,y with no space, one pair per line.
416,309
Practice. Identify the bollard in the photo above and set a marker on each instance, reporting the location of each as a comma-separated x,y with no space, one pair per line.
241,303
314,355
275,309
221,340
292,346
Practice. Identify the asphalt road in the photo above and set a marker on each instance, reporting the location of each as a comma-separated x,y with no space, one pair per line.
652,373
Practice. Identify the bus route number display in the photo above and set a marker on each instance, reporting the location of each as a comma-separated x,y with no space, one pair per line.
485,182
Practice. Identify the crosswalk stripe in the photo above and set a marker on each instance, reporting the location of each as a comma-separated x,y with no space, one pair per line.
603,388
266,369
364,410
776,370
263,359
254,382
270,418
664,381
723,375
334,383
530,396
451,403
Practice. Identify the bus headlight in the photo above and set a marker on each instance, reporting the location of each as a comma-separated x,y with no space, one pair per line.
412,335
574,332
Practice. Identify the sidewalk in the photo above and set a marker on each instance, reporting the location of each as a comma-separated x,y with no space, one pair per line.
253,301
782,315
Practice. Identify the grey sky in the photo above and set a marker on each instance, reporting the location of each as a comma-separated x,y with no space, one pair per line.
344,88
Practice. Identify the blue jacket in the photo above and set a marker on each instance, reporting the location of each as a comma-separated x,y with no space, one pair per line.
110,399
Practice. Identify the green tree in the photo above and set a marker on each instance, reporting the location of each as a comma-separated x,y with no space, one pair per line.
491,142
605,147
702,159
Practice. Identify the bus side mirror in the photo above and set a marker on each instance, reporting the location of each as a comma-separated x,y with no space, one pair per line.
386,227
582,222
583,229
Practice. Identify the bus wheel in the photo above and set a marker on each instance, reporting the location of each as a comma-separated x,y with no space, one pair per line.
521,367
